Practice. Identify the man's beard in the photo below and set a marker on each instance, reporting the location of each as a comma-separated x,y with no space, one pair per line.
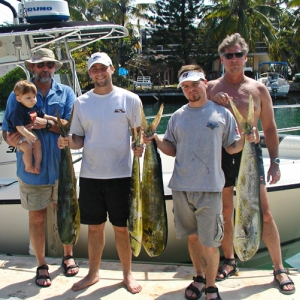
100,84
43,79
194,98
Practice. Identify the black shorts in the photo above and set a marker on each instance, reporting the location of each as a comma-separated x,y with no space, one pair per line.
99,197
231,164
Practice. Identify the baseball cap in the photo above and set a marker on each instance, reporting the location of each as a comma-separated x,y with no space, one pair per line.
99,58
42,55
190,76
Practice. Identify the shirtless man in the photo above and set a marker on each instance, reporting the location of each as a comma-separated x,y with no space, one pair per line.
233,55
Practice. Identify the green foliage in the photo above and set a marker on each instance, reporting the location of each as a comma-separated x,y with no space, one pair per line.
7,83
120,81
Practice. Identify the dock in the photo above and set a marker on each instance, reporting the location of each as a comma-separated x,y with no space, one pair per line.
159,282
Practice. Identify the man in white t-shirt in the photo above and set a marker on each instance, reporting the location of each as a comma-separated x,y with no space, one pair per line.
102,120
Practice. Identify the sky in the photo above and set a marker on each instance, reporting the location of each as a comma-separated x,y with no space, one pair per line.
5,12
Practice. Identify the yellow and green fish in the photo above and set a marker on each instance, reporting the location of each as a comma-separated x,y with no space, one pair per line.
248,224
68,215
154,215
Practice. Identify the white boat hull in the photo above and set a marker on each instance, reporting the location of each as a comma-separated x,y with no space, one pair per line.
283,198
276,83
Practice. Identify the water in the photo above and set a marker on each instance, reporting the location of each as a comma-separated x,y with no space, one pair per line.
285,117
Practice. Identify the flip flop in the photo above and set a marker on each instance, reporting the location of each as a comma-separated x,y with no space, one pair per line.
45,277
66,269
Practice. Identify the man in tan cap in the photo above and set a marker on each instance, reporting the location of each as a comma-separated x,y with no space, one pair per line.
38,190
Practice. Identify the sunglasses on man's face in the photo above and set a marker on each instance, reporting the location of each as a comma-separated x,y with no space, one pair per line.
230,55
49,64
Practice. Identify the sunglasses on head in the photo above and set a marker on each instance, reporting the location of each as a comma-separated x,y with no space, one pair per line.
230,55
49,64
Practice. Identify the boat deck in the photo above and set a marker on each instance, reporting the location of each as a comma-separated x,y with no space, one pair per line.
159,281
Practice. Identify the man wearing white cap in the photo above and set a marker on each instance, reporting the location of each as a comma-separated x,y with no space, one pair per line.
101,122
194,134
38,190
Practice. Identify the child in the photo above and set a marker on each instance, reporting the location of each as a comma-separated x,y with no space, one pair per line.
23,114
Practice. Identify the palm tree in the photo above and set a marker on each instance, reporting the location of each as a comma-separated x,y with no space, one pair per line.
77,10
253,19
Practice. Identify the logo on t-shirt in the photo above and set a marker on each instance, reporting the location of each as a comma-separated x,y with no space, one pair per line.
212,125
119,110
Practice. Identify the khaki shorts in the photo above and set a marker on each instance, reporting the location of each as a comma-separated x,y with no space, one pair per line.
37,197
199,213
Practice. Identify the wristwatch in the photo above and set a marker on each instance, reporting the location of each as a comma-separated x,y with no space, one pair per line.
48,125
275,160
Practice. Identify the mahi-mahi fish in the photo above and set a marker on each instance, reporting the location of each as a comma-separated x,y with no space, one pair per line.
155,224
134,223
248,215
68,216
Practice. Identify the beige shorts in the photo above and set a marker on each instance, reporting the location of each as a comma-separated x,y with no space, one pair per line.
37,197
199,213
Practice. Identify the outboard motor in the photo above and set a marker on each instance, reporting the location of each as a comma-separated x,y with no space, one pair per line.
40,11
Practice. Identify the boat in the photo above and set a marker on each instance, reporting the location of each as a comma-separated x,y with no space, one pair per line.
273,75
14,237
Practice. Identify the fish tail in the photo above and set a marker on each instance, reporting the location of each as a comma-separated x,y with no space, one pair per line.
144,122
64,129
157,118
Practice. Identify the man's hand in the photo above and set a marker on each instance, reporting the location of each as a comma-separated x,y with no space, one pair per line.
273,175
137,151
12,139
39,123
62,142
221,98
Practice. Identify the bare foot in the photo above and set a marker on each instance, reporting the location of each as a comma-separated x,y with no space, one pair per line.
85,282
131,284
37,169
30,169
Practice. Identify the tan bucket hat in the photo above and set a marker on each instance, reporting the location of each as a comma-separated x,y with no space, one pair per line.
41,55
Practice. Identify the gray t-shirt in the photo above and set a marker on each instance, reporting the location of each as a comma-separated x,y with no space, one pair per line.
198,135
105,121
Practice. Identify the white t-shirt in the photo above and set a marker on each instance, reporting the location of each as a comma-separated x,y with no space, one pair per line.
198,135
105,121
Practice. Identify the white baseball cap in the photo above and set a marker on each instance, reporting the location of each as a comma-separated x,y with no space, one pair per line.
99,58
190,76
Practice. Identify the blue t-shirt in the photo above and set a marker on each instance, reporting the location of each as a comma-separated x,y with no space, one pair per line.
60,97
20,116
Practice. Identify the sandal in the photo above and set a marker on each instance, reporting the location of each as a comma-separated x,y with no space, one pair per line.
195,290
284,283
230,262
44,277
212,290
66,269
